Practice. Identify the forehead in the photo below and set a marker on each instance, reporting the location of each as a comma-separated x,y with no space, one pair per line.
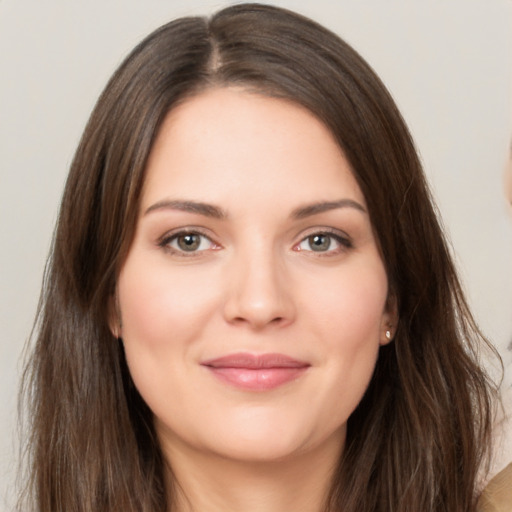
230,141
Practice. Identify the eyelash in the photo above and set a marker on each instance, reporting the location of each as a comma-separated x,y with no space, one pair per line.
343,241
168,238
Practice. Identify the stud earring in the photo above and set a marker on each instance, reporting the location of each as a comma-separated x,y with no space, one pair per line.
388,335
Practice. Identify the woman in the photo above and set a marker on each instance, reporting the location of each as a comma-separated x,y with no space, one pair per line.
250,304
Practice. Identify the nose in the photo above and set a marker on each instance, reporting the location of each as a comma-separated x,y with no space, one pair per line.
259,292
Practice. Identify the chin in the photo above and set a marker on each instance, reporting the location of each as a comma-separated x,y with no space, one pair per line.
272,441
259,450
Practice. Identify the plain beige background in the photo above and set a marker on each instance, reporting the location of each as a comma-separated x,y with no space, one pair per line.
447,63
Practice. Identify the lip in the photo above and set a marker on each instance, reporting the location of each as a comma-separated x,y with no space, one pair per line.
261,372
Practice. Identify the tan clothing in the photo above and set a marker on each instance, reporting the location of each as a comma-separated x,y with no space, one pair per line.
497,496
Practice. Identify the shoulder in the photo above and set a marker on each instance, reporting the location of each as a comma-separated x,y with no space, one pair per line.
497,496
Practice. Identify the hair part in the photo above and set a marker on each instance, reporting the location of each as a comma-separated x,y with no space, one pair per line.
417,439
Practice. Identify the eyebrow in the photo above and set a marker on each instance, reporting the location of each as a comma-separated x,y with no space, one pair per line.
324,206
208,210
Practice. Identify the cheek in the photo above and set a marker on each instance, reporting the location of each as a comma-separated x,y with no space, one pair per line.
159,306
352,306
163,315
350,315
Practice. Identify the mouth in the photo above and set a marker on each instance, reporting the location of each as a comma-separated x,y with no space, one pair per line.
256,372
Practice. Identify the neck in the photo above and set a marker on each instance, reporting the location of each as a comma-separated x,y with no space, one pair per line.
208,483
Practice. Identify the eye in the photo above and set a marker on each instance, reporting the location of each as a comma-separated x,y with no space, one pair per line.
187,242
324,242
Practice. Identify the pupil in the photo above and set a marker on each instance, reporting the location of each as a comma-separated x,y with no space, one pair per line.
189,242
319,242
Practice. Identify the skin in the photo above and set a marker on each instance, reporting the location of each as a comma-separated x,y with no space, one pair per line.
253,284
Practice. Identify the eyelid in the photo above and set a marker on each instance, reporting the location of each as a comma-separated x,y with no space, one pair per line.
173,234
342,238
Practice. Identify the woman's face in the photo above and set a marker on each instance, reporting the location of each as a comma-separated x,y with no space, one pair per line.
253,300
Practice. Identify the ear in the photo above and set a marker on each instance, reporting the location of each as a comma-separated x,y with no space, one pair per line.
389,321
114,316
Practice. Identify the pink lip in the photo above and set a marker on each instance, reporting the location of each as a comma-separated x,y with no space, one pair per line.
256,372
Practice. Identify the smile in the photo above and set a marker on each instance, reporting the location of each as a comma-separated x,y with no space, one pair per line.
256,372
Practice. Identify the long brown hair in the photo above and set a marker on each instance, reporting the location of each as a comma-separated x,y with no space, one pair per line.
415,442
